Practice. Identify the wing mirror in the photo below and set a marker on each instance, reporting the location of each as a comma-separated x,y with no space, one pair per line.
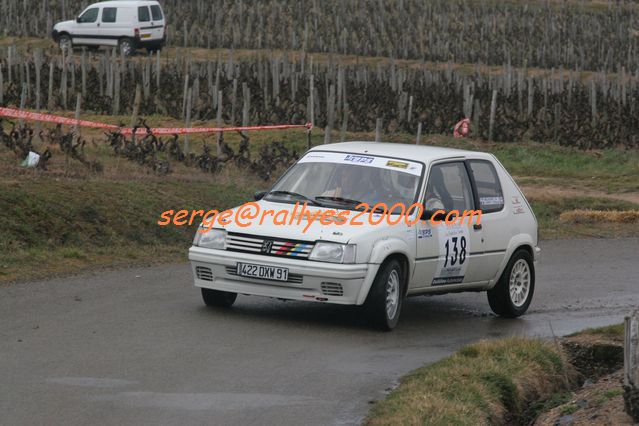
78,20
259,195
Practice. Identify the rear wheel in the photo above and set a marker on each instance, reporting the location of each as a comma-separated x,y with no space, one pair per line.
513,293
386,297
65,43
218,298
126,47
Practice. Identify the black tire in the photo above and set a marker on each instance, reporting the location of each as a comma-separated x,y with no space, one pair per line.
216,298
499,297
376,301
65,42
126,46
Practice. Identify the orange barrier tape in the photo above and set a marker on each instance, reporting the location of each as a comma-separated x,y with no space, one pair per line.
48,118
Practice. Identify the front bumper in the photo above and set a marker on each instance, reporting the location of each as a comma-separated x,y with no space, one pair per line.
308,280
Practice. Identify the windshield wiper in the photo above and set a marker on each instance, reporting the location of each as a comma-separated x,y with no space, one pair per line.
292,194
339,200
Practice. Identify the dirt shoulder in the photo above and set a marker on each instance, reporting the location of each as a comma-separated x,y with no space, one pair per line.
598,356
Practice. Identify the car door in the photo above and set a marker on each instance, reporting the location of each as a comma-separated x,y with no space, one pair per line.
443,250
148,29
157,22
87,27
112,25
495,230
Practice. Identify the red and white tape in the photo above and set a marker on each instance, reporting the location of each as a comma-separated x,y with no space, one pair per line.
48,118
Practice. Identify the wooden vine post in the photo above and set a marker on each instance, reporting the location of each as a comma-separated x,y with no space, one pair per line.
631,366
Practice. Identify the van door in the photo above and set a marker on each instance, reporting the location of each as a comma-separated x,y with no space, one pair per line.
149,29
87,28
112,27
157,22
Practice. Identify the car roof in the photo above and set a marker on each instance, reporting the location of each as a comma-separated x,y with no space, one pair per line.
423,153
124,3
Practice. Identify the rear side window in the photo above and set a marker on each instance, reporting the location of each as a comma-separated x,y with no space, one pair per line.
143,14
89,16
156,11
109,14
491,197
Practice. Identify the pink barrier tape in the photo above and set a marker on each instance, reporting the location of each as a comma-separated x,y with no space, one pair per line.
48,118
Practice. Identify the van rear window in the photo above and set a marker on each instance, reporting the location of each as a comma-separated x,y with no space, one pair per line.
156,11
109,14
143,14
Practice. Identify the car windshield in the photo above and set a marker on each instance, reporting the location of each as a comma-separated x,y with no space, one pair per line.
342,180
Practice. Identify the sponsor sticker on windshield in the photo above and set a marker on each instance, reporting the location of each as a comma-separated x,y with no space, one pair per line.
395,164
359,159
400,164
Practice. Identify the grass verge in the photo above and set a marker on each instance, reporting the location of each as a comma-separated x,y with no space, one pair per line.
53,226
490,382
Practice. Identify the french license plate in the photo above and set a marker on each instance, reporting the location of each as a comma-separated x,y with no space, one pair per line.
262,271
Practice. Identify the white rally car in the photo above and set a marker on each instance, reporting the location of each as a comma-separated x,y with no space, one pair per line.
378,264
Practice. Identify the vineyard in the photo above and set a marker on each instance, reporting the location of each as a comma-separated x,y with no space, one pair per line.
514,104
576,34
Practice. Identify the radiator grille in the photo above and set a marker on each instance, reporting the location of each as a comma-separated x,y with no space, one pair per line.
268,246
332,289
204,273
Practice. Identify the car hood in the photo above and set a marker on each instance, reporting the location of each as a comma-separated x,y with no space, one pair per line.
297,223
63,24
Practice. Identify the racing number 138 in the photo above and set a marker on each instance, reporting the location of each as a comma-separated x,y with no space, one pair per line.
458,253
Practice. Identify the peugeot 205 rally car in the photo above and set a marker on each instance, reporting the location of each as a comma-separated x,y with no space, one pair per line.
378,264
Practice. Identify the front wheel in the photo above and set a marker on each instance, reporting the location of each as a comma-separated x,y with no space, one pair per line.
216,298
65,43
513,293
386,297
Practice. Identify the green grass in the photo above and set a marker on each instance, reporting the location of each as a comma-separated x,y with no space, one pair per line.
611,170
569,409
484,383
615,330
60,226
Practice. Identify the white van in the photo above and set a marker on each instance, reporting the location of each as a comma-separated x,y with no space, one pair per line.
376,263
127,24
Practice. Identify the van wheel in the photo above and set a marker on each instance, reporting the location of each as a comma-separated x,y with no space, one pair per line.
385,298
513,293
218,298
125,45
65,43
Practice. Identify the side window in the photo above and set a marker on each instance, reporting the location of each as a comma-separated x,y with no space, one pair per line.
448,188
109,14
156,11
89,16
491,197
143,14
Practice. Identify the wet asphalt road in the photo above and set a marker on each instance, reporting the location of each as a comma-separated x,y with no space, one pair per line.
137,346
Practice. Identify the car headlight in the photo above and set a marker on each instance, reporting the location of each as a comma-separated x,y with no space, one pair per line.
213,238
333,252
